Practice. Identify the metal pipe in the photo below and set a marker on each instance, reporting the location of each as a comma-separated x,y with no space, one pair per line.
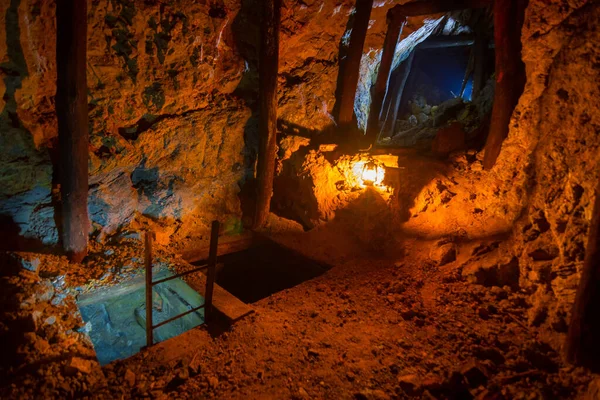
179,316
180,275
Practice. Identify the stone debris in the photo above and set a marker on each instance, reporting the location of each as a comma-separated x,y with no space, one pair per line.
77,364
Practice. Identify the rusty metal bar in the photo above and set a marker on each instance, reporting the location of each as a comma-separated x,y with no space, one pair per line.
212,270
180,275
180,316
148,265
210,282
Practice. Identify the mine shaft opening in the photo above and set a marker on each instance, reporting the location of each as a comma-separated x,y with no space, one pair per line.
265,269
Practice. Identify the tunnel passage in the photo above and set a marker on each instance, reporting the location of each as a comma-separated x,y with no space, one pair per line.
435,86
265,269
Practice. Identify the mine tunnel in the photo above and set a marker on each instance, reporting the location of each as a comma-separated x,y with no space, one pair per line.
301,199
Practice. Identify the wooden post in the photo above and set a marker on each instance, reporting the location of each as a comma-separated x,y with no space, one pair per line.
583,346
468,72
389,122
267,123
510,73
149,301
351,67
72,114
480,47
212,271
395,26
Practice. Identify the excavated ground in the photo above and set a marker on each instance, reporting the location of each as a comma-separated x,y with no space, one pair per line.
369,328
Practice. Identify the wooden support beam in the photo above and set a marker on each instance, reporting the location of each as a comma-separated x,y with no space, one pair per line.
480,47
267,123
583,346
389,124
379,91
445,42
351,66
468,72
211,273
72,114
510,73
148,237
417,8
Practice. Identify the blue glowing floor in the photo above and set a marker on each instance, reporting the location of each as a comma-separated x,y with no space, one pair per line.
116,317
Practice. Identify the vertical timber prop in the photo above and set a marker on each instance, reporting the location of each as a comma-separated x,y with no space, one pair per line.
148,238
509,16
583,347
267,122
388,124
395,26
72,114
480,48
351,68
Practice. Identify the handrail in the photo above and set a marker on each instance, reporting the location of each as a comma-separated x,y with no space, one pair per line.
191,271
210,282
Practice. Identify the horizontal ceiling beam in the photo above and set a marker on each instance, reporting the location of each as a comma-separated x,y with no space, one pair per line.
426,7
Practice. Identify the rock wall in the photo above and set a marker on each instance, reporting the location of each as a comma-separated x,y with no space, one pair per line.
553,148
540,193
166,133
172,93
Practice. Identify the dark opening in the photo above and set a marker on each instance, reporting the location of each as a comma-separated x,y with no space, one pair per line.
268,268
437,75
426,92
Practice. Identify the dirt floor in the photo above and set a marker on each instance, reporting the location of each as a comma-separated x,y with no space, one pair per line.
427,308
369,328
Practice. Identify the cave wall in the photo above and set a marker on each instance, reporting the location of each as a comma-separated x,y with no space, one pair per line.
172,90
552,150
166,134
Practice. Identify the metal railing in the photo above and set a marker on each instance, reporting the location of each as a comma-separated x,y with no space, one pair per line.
210,269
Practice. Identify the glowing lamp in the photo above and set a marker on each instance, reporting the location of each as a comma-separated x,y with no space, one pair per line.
370,174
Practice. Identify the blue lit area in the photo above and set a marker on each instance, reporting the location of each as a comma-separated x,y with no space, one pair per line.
116,317
437,75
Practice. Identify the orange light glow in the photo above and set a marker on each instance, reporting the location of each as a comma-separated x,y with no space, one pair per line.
368,173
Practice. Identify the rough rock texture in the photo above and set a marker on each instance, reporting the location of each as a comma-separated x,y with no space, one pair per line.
541,189
172,91
554,142
540,193
166,137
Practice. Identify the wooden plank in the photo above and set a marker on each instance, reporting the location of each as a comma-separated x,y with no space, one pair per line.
446,41
223,302
583,346
468,72
417,8
72,115
351,67
211,273
389,123
227,244
148,265
395,26
480,47
267,97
